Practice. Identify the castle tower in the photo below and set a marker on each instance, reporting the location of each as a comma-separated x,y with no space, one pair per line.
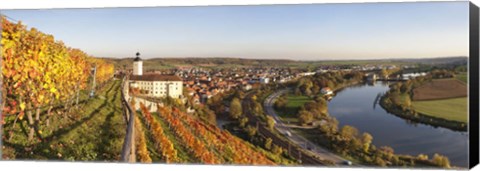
137,65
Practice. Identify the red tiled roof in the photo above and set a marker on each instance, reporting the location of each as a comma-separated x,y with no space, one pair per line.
155,77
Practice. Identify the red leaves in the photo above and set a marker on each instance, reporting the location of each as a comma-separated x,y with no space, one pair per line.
164,145
207,143
6,109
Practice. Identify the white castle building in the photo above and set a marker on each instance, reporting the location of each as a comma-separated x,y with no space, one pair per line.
155,85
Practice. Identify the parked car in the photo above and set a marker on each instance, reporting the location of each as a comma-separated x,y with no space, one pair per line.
348,163
287,133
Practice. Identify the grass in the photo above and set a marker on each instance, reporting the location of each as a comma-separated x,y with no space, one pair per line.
463,77
94,132
294,103
450,109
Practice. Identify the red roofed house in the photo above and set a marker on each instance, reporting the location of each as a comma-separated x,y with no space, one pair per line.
326,91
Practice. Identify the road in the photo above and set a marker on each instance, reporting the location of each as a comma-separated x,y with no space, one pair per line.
297,139
306,157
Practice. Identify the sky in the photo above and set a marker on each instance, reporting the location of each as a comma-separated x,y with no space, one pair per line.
299,32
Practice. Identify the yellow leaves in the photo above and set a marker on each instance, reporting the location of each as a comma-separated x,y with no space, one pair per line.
53,90
40,98
38,70
22,106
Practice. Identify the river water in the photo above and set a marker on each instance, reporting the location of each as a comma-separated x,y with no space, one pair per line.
356,106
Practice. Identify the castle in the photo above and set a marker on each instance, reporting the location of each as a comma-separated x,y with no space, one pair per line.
155,85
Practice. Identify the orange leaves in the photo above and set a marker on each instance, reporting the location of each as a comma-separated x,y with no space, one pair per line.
207,143
164,145
20,116
141,143
36,67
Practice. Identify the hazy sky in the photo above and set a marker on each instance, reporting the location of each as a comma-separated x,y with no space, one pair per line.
302,32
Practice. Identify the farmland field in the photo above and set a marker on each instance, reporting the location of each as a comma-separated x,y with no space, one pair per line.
440,89
451,109
462,77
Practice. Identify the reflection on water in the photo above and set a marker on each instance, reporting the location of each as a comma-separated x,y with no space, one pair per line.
353,106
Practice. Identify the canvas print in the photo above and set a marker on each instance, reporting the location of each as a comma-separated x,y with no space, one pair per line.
324,85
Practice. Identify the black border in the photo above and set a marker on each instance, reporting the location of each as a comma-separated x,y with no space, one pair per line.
473,89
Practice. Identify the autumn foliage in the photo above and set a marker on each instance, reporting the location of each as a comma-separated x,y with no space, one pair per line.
206,143
38,70
163,145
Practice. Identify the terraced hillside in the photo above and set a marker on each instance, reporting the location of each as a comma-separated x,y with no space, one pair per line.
173,136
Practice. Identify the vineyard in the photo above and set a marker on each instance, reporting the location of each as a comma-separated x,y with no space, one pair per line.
92,132
47,111
41,76
192,141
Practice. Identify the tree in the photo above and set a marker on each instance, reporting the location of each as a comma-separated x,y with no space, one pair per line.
441,160
270,122
422,157
305,117
257,108
251,131
277,150
330,84
308,92
280,103
268,143
243,121
367,140
235,108
380,162
330,127
239,94
388,152
348,132
407,102
315,89
38,70
254,98
384,73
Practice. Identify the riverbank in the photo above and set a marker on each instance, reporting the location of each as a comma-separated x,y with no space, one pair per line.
294,102
415,116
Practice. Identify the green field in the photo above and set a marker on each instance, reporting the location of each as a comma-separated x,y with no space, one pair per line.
462,77
451,109
291,109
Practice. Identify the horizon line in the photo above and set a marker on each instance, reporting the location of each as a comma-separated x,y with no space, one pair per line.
265,59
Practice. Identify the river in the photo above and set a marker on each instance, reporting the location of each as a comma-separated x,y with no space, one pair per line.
356,106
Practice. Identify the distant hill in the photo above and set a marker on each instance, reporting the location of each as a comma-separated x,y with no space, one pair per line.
223,62
436,61
164,63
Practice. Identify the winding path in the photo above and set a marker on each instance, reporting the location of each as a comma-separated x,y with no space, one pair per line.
297,139
297,152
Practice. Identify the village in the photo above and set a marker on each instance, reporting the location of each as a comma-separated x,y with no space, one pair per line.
201,83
